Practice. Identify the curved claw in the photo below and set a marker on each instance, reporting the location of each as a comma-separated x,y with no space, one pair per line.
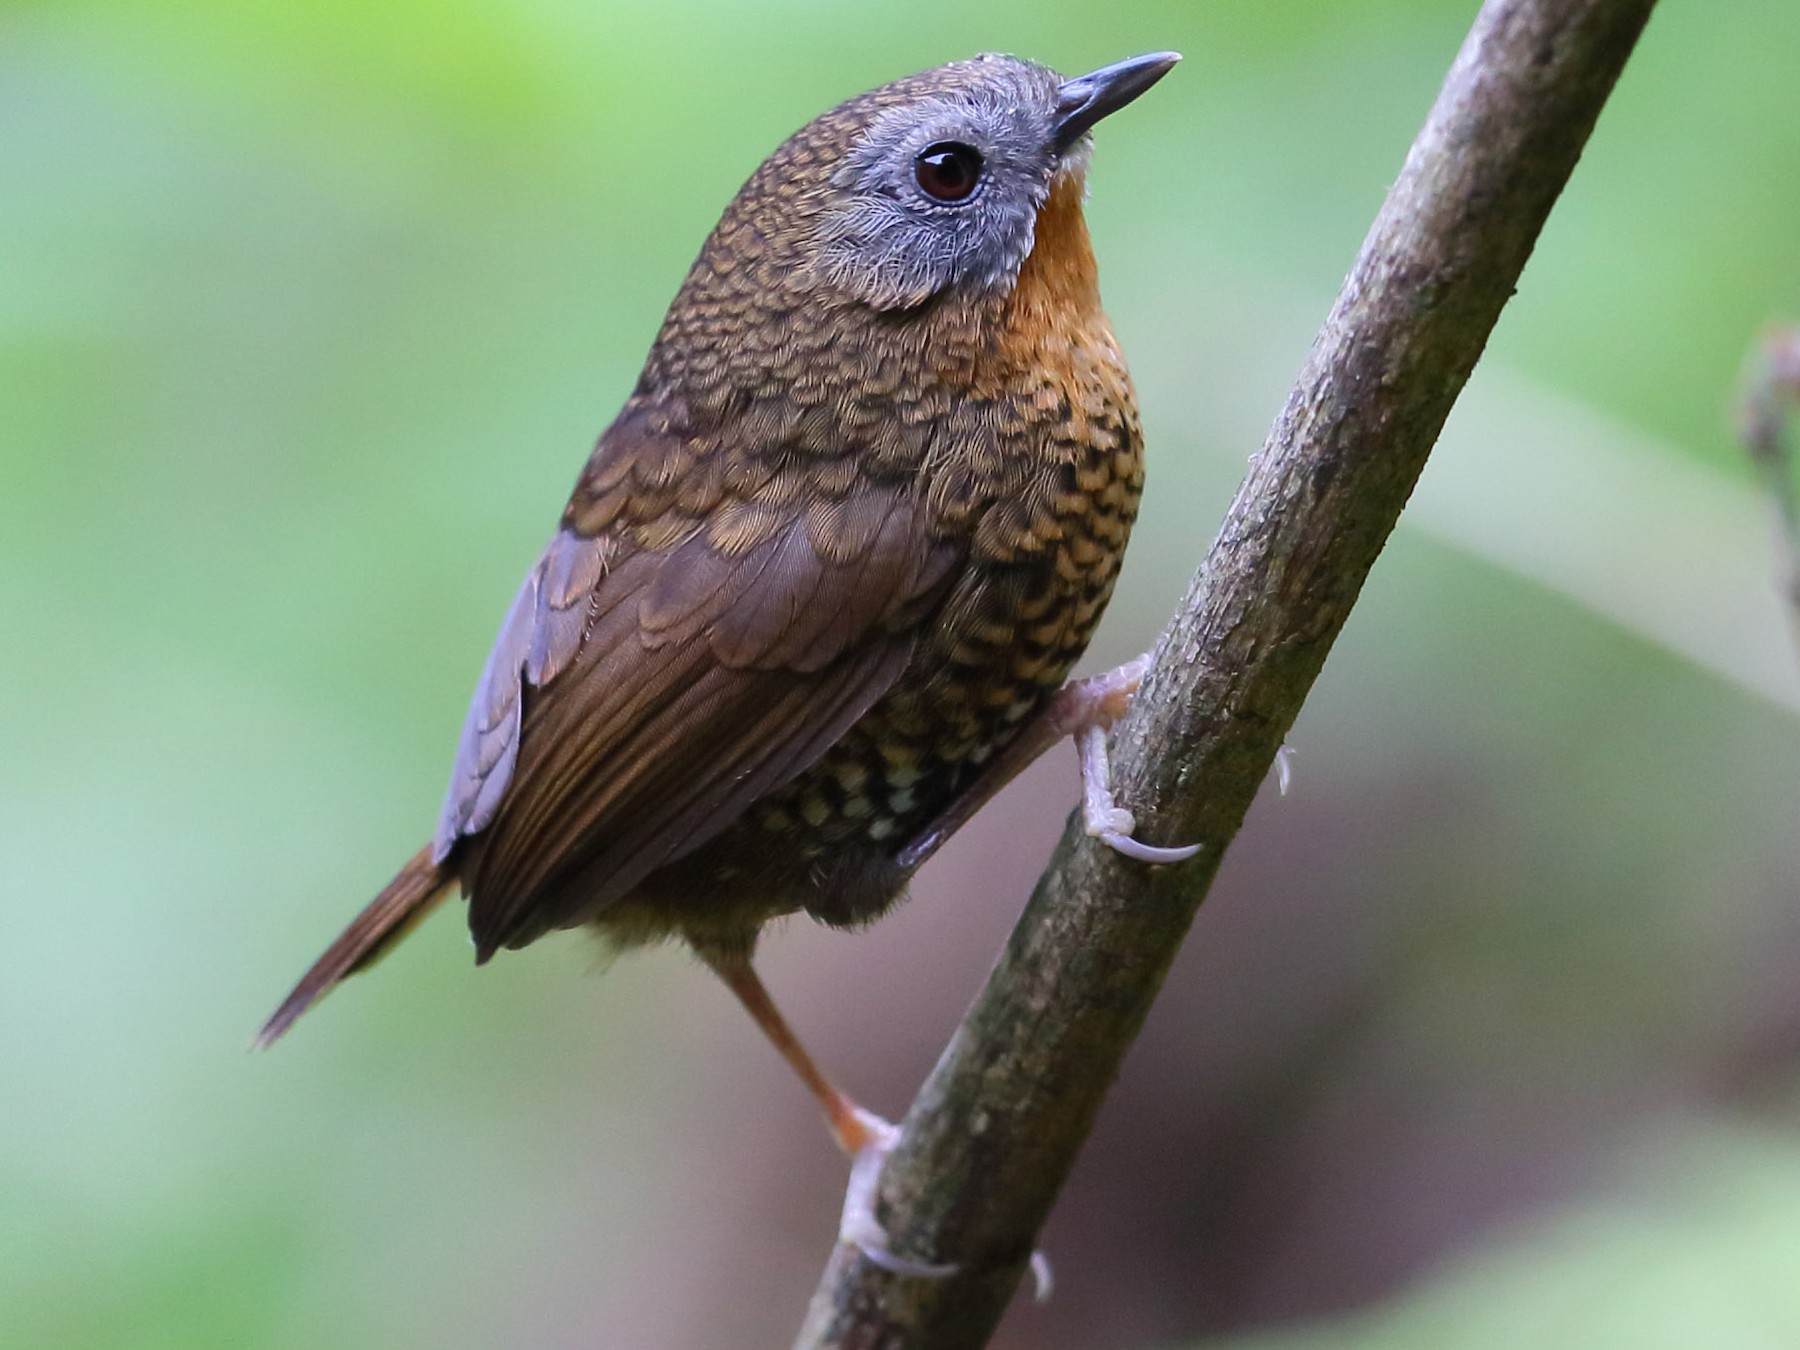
1146,853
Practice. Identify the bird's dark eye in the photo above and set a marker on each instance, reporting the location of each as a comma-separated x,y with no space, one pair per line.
948,171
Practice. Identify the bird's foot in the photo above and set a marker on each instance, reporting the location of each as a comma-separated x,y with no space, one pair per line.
1103,818
1099,700
859,1227
1086,709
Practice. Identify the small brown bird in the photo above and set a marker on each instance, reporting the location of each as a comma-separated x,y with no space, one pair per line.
818,588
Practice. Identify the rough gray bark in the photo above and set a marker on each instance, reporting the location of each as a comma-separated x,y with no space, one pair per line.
992,1134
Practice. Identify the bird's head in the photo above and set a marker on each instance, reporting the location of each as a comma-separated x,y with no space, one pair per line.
930,183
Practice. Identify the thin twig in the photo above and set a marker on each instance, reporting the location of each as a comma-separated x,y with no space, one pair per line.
1769,401
994,1131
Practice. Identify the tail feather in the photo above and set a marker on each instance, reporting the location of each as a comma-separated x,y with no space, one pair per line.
390,916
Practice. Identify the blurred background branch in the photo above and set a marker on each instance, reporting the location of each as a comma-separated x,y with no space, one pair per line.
991,1137
1767,404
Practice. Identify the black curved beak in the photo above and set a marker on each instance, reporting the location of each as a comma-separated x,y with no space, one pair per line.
1084,100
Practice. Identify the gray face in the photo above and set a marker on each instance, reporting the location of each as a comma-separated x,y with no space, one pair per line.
888,240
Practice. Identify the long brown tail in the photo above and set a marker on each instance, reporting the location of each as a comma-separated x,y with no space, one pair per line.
390,916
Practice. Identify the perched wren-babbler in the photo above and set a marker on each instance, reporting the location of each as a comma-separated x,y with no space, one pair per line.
820,584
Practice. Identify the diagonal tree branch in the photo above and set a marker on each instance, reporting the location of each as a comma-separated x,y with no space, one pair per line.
994,1131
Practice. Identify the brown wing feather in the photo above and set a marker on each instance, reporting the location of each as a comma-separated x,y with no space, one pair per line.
620,726
539,636
684,775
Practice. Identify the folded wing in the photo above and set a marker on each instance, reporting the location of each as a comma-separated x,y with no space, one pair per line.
655,678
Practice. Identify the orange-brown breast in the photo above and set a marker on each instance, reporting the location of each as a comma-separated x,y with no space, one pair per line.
1057,297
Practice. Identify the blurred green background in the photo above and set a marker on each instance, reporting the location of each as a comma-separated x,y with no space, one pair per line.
1490,1033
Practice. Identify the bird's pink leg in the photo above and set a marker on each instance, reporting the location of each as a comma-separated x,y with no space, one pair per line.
865,1136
